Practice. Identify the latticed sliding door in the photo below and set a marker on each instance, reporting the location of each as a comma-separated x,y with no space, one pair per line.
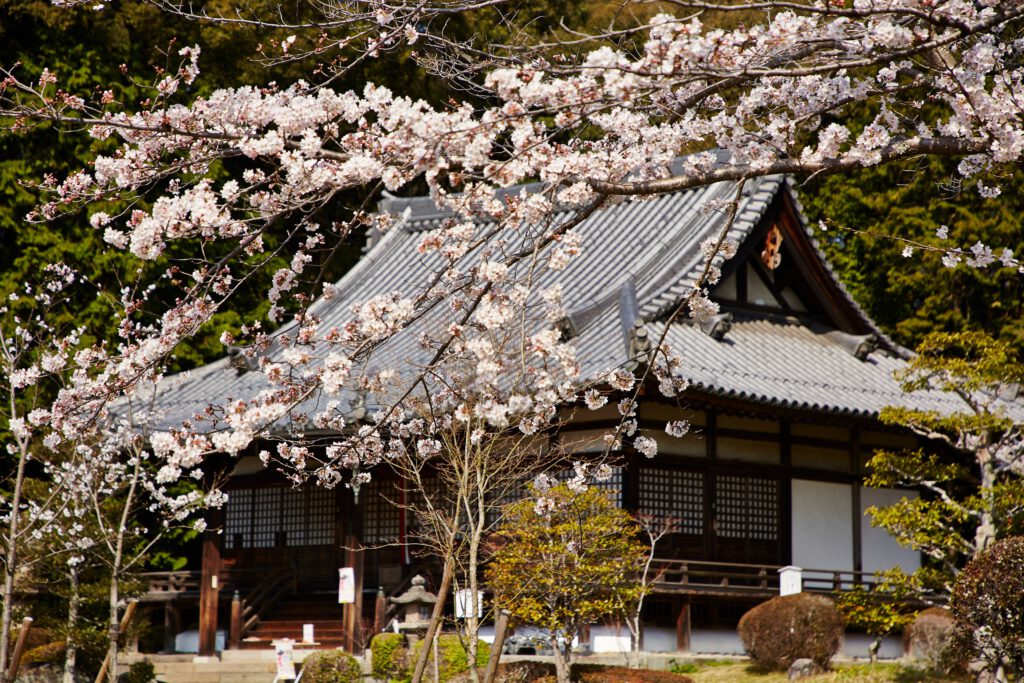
260,523
747,519
675,496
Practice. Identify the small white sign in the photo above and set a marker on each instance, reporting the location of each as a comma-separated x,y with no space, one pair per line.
464,603
307,633
285,664
791,580
346,585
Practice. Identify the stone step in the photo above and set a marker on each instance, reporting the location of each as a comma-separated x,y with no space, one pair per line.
298,623
294,632
267,644
237,666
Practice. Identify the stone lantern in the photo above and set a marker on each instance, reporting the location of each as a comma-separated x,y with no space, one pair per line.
415,606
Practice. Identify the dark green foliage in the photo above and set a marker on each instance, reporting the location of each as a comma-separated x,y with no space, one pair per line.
683,667
791,627
50,653
331,667
881,610
453,657
910,297
585,537
139,672
390,656
977,498
988,607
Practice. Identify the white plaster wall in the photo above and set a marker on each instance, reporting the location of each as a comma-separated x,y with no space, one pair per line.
822,525
856,645
715,642
188,641
879,550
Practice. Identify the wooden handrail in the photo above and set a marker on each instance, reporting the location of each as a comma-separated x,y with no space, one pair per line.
263,598
698,575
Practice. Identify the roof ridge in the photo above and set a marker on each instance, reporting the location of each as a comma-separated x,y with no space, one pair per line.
748,216
798,208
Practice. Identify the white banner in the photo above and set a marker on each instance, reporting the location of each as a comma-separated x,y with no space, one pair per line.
464,603
285,665
346,585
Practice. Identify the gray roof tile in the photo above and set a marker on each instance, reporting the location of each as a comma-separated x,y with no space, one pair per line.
655,241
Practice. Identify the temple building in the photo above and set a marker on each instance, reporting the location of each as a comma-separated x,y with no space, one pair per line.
786,385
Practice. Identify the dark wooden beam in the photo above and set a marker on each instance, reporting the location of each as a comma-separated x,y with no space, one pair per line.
786,495
683,630
209,584
858,552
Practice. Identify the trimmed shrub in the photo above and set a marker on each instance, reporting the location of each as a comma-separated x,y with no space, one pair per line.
453,656
791,627
390,656
930,638
331,667
50,653
988,607
139,672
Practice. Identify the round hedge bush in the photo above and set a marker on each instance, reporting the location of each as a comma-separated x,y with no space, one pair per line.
930,637
390,656
331,667
988,606
791,627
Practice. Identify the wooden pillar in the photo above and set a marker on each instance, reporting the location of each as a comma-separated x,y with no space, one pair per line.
353,612
172,622
380,610
786,495
235,627
855,468
209,586
683,626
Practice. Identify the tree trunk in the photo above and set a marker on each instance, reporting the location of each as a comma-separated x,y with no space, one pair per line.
472,620
71,649
11,562
633,623
561,659
114,629
435,622
985,534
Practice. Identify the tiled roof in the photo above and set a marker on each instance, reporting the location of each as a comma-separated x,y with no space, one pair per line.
790,364
649,246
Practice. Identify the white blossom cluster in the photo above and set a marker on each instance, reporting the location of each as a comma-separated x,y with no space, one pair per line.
753,100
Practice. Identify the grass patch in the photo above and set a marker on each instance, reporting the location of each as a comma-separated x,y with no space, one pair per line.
743,672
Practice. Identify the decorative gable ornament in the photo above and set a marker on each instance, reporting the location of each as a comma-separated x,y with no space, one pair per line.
771,256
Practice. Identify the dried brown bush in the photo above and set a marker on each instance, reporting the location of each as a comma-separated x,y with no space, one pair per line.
596,673
791,627
544,672
930,638
988,608
525,672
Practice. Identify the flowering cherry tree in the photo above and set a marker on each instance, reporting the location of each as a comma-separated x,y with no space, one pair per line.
219,186
93,473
